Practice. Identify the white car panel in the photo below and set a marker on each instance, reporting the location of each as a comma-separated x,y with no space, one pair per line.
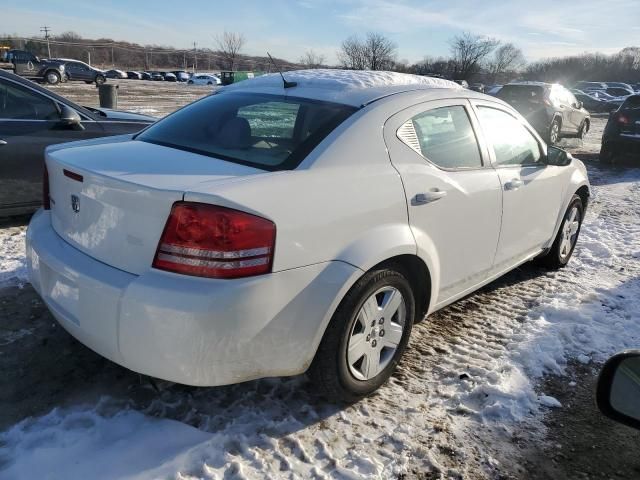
346,208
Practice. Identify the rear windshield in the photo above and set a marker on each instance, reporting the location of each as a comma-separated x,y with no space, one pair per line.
521,93
270,132
631,103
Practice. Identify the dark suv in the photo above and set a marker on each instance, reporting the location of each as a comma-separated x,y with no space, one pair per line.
26,64
621,137
77,70
550,108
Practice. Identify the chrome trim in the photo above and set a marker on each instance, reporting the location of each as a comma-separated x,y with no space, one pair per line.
195,252
254,262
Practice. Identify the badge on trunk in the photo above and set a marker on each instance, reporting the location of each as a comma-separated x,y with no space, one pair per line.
75,203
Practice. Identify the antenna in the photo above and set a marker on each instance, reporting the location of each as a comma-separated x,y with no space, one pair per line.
284,80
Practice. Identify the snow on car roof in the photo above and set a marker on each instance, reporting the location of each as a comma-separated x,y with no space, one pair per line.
353,87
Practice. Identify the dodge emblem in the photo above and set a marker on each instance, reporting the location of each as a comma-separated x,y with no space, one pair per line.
75,203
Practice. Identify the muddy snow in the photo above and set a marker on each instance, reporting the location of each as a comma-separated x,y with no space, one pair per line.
471,396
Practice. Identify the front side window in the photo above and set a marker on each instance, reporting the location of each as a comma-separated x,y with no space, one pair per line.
271,132
444,136
19,103
512,143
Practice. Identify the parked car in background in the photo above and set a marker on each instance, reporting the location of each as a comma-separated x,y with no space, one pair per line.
76,70
619,91
181,75
477,87
132,75
493,90
145,76
366,200
621,137
31,118
27,65
626,86
170,77
201,79
552,109
118,74
157,76
584,86
595,105
462,83
602,95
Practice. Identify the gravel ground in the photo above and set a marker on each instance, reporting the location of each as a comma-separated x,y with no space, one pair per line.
134,95
422,425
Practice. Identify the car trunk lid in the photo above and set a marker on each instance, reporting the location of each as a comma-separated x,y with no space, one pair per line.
111,201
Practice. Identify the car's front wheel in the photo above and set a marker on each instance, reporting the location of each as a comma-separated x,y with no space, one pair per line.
366,336
565,242
52,77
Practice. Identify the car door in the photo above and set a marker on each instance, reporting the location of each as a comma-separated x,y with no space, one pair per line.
29,122
532,190
453,193
576,114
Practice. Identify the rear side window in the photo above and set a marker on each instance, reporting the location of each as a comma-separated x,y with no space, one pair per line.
512,143
522,93
270,132
444,136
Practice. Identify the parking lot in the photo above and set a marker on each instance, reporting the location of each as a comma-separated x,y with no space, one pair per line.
484,382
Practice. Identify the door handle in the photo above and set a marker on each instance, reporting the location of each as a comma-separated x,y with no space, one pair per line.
2,142
514,184
428,197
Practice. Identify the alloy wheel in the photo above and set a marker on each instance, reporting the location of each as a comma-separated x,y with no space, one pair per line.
376,333
570,232
553,135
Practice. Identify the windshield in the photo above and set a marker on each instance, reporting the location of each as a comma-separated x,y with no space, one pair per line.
270,132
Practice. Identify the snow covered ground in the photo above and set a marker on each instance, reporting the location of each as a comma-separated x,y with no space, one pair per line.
469,383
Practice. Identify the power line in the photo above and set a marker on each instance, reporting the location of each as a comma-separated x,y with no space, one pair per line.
46,31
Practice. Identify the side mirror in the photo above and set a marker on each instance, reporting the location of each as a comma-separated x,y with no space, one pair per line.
70,118
618,391
557,157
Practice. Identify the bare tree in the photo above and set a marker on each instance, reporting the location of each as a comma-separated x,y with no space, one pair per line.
311,59
352,54
230,44
375,52
468,51
507,59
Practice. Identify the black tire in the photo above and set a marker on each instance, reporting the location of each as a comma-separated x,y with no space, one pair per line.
583,130
554,259
330,370
553,136
607,154
100,79
209,83
88,82
52,77
190,82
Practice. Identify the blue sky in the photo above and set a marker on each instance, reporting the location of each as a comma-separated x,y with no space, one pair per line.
287,28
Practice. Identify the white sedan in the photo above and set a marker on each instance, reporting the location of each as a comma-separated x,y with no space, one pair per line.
265,231
204,80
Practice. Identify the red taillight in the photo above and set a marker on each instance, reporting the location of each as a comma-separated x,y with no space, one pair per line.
46,199
622,119
211,241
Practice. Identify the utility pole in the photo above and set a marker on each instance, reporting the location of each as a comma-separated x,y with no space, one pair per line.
113,62
184,60
195,58
89,57
46,31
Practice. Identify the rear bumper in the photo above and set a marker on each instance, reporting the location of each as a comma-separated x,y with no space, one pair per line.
623,144
185,329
